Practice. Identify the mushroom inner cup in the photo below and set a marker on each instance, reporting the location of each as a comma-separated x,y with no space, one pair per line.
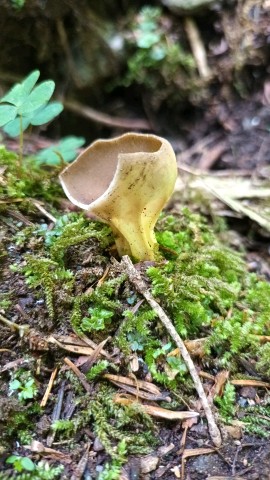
98,166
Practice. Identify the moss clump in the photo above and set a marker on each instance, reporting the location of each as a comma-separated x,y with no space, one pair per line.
207,290
28,180
257,420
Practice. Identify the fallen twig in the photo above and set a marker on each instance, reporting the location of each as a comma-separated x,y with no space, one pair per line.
43,210
49,388
22,329
79,374
56,412
137,281
79,470
90,113
154,410
197,47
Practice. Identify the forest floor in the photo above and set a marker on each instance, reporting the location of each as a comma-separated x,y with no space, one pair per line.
46,357
92,385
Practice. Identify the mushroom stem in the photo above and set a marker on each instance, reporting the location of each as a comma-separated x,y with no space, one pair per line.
133,239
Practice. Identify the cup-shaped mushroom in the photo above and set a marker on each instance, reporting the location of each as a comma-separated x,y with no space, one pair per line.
125,182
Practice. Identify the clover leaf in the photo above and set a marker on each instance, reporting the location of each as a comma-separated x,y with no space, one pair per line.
66,148
27,104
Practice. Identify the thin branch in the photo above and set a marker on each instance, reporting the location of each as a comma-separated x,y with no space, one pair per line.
99,117
138,282
79,374
197,47
44,400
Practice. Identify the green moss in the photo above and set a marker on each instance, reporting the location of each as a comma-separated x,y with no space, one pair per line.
102,305
226,403
206,289
77,232
47,274
257,420
116,423
28,180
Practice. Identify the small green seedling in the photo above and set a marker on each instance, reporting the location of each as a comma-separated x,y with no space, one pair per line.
21,463
25,386
27,104
66,149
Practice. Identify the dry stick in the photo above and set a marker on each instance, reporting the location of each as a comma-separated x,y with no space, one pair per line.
43,210
79,470
79,374
99,117
49,388
56,412
137,281
197,47
22,329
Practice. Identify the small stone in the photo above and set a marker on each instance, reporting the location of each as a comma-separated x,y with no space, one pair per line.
248,392
98,447
234,431
149,463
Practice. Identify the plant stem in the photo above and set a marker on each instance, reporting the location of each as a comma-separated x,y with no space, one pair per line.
21,143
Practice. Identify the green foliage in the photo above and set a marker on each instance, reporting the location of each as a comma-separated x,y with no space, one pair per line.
21,463
135,331
63,426
18,3
206,289
263,364
24,384
101,304
97,370
257,420
27,180
98,320
4,301
112,471
162,367
27,104
117,423
65,150
28,470
154,55
66,235
19,423
226,403
45,273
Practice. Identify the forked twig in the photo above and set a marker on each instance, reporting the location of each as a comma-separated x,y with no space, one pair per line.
138,282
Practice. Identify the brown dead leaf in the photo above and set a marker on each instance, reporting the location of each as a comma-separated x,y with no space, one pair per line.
218,387
155,411
38,447
71,348
147,386
195,348
176,471
92,359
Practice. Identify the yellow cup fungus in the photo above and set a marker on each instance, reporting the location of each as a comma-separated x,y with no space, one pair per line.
126,182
